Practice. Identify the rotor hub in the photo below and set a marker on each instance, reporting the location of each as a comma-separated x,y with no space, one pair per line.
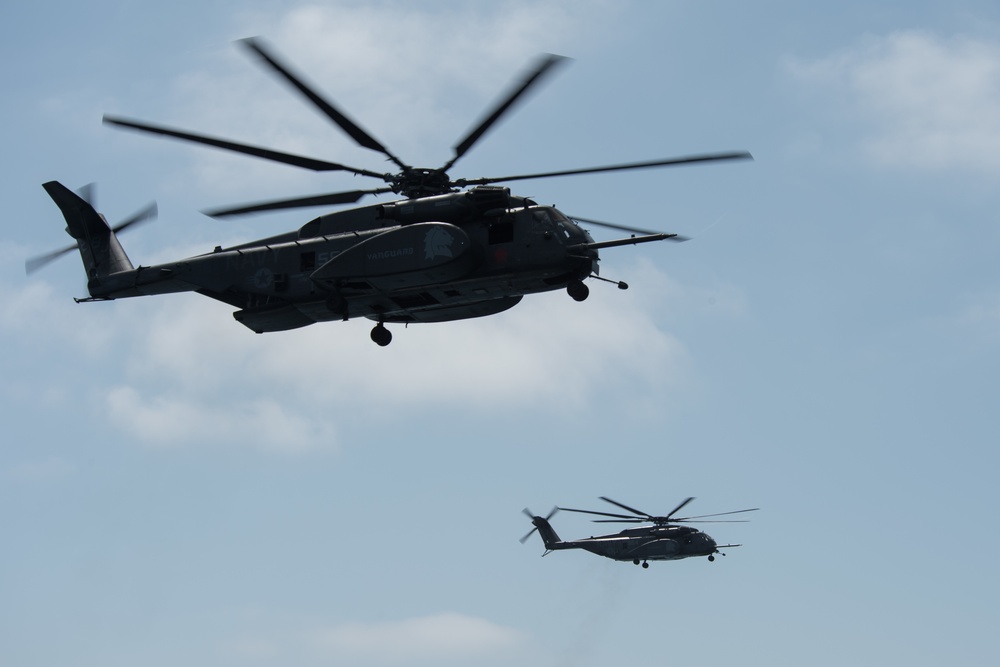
415,182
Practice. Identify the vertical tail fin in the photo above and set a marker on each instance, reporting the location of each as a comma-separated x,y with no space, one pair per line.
100,250
544,528
549,537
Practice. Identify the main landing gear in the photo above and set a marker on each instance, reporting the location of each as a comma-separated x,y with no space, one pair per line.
645,565
578,290
381,335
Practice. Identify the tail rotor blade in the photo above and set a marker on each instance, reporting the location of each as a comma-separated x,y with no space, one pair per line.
145,215
531,516
36,263
87,194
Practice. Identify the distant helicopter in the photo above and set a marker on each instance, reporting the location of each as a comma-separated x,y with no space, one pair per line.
665,539
452,249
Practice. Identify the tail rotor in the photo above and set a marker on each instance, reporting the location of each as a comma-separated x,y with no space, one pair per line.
86,194
536,520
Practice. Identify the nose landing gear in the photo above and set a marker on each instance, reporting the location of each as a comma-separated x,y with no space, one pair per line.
381,335
578,290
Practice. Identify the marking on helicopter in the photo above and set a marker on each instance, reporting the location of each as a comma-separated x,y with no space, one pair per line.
390,254
247,260
438,243
263,279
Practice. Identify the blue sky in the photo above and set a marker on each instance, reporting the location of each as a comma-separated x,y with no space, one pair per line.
175,490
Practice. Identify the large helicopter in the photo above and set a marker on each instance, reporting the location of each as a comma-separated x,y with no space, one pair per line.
452,249
665,539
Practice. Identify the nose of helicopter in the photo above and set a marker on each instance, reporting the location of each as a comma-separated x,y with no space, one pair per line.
707,544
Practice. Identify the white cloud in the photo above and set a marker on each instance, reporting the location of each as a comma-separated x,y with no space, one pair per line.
194,374
178,370
35,312
190,373
440,637
981,314
933,102
415,79
172,419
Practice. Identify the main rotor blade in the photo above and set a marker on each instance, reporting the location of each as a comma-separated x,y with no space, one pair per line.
678,508
300,202
246,149
625,507
361,137
624,228
620,516
702,516
690,159
545,63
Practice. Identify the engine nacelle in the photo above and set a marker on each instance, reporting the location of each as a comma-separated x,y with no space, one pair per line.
454,208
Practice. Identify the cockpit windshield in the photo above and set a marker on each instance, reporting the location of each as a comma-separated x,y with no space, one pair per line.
552,219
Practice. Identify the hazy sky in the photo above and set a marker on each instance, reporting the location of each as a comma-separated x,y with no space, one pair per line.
175,490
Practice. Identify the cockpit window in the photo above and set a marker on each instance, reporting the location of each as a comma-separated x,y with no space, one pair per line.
542,217
550,218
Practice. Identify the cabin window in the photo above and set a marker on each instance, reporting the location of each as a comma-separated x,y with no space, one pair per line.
307,261
501,232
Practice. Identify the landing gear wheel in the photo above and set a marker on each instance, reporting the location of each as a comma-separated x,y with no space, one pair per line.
578,290
381,335
635,562
711,558
645,566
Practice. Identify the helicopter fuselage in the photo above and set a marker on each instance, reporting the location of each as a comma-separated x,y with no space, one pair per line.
646,543
456,248
666,537
417,267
